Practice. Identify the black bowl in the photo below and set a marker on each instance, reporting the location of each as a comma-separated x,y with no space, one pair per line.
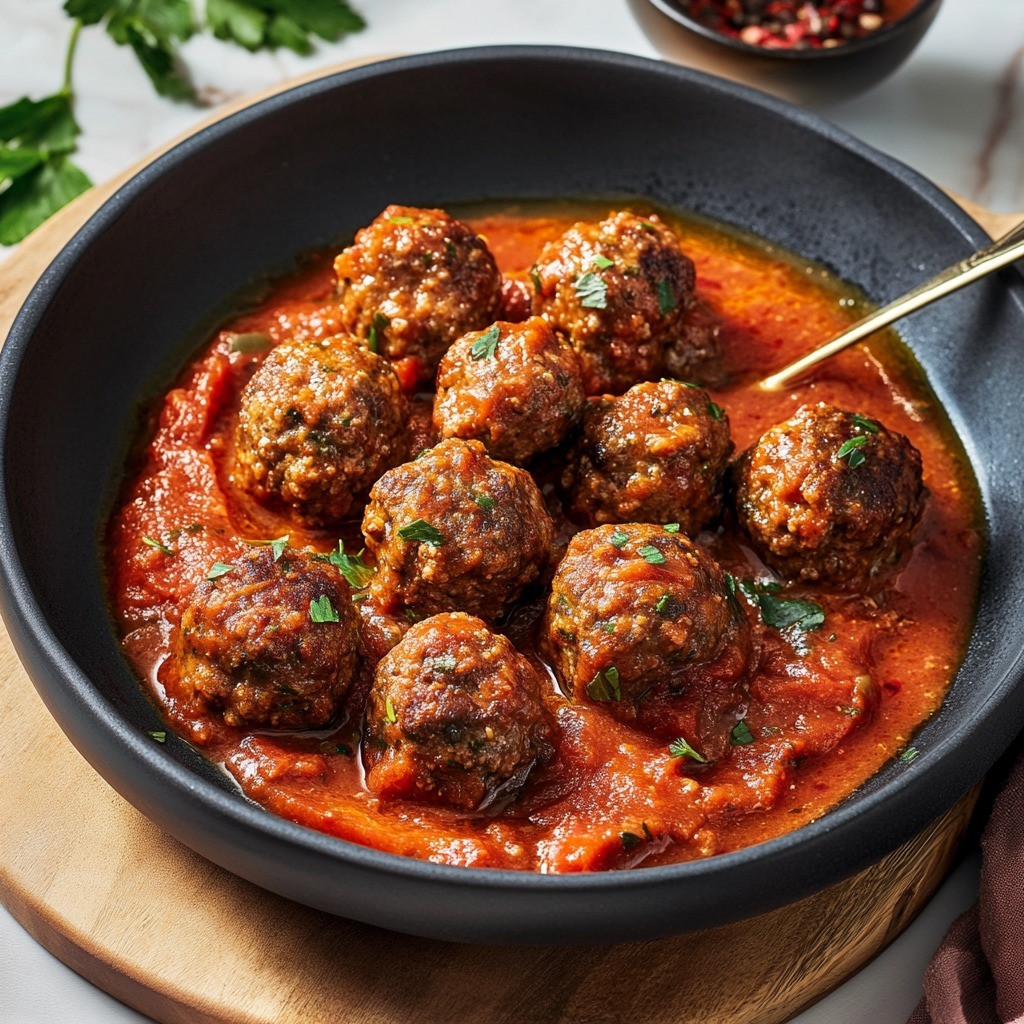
118,309
815,77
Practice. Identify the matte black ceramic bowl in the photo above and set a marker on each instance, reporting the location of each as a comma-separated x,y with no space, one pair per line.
110,320
815,77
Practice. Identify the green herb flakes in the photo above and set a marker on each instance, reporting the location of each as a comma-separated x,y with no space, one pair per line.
162,548
278,546
378,324
863,423
779,612
609,626
851,450
321,609
389,711
159,735
665,604
602,262
618,539
715,411
649,553
630,840
671,527
741,734
592,291
401,220
485,501
909,754
484,347
418,530
605,685
535,280
666,297
680,748
218,569
356,572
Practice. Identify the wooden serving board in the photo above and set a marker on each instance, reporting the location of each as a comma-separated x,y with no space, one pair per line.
184,941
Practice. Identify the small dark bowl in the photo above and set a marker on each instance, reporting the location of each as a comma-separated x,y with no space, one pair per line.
117,312
813,77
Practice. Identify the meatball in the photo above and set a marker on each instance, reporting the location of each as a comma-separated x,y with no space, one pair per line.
635,607
414,281
456,530
617,290
829,495
656,454
454,715
515,387
269,644
318,424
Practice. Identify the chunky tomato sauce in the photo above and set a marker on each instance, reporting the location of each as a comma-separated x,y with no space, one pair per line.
825,709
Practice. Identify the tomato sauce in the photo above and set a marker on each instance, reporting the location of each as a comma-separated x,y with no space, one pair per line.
826,709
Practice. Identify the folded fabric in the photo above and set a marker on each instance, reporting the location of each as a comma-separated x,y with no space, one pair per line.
977,974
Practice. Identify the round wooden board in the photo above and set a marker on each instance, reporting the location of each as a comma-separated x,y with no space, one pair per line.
184,941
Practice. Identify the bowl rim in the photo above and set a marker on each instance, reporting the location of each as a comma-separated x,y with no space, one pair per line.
673,9
840,843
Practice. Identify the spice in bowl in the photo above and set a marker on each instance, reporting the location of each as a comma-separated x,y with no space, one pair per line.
796,24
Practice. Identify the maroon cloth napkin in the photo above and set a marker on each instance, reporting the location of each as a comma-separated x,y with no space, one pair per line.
977,974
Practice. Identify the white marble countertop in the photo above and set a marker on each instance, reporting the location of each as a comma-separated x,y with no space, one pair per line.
954,112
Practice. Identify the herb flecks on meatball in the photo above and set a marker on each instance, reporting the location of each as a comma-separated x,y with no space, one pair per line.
515,387
656,454
456,530
319,422
635,607
830,495
415,280
269,643
616,290
454,716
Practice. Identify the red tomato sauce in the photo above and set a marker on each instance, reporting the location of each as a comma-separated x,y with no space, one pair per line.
826,709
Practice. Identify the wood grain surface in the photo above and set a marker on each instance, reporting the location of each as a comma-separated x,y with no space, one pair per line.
188,943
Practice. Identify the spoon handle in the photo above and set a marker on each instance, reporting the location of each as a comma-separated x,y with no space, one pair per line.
1001,252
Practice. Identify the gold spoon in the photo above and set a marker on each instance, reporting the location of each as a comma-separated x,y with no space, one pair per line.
1001,252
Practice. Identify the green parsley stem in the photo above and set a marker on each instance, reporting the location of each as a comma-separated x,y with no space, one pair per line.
70,57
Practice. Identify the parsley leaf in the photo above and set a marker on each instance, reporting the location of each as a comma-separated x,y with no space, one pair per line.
715,411
37,195
680,748
356,572
602,262
671,527
321,609
618,539
630,840
666,297
851,450
780,612
218,569
592,291
605,685
272,23
909,754
863,423
159,735
485,501
651,554
741,734
485,346
422,531
389,711
277,546
379,322
162,548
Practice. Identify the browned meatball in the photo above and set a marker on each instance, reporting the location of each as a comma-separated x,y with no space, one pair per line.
456,530
635,607
414,281
319,422
616,290
657,454
454,715
514,387
829,495
252,647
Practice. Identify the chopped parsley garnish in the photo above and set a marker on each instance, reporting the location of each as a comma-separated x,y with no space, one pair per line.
401,220
671,527
422,531
321,609
863,423
618,539
535,279
162,548
909,754
630,840
484,346
356,572
668,607
741,734
602,262
609,626
605,685
359,597
649,553
779,612
485,501
218,569
666,297
159,735
680,748
389,711
715,411
249,341
592,291
851,450
444,663
377,326
277,546
412,614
